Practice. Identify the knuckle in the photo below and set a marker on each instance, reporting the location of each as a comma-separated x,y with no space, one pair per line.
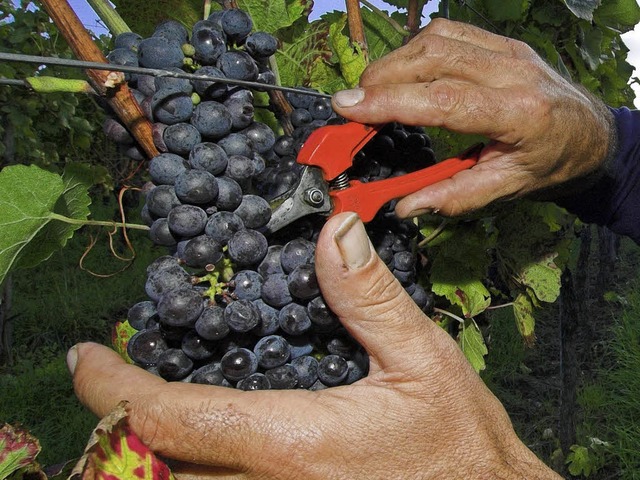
445,98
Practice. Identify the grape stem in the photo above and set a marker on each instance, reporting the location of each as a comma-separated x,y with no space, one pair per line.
495,307
112,19
100,223
434,234
448,314
356,28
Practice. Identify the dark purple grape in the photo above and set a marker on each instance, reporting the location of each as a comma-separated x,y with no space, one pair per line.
320,108
160,52
284,377
173,364
165,168
116,132
171,105
284,145
221,226
238,363
296,252
306,370
210,374
140,313
247,247
275,291
236,144
238,65
241,315
145,347
271,262
160,233
187,220
321,315
123,56
211,324
208,156
299,100
255,381
181,137
241,111
261,44
128,40
229,194
261,135
180,307
201,251
272,351
237,24
302,282
212,119
165,280
196,347
165,262
254,211
172,30
294,320
268,319
332,370
180,84
301,117
208,89
196,187
209,44
247,284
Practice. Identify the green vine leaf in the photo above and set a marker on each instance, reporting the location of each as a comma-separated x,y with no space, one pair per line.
583,8
459,265
272,15
472,344
511,10
120,335
30,198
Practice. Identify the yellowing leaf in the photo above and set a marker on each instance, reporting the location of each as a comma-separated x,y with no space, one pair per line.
350,56
523,310
472,344
120,335
18,450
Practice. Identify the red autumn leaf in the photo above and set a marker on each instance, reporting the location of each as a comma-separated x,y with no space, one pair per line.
115,452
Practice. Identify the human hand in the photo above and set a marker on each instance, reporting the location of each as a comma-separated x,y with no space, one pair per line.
422,412
544,130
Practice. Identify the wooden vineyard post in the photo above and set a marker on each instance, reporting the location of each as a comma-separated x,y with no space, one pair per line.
120,97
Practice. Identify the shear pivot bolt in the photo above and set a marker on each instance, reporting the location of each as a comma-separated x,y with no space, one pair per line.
314,197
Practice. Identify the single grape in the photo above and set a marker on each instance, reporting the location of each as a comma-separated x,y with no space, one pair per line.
229,194
275,291
161,199
209,44
210,374
221,226
284,377
164,168
272,351
208,89
196,347
241,315
268,319
173,364
332,370
160,233
293,319
238,363
145,347
306,370
296,252
255,381
247,247
302,282
196,187
201,251
212,119
247,284
180,307
211,324
236,23
140,313
187,220
254,211
208,156
261,44
181,137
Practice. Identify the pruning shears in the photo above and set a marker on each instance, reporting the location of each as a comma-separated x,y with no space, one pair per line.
325,189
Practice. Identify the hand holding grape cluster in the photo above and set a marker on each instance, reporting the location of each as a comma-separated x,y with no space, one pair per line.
325,325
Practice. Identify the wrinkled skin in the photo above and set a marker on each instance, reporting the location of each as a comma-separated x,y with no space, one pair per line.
421,413
543,130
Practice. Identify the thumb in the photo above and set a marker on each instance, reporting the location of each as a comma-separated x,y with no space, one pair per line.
368,299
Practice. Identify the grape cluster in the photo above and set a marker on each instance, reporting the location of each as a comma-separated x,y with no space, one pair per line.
229,305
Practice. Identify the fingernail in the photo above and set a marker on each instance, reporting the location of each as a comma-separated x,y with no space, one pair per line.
353,242
348,98
72,359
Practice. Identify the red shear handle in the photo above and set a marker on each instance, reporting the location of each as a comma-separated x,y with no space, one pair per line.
367,198
332,147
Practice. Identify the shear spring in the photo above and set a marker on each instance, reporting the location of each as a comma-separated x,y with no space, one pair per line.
340,182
